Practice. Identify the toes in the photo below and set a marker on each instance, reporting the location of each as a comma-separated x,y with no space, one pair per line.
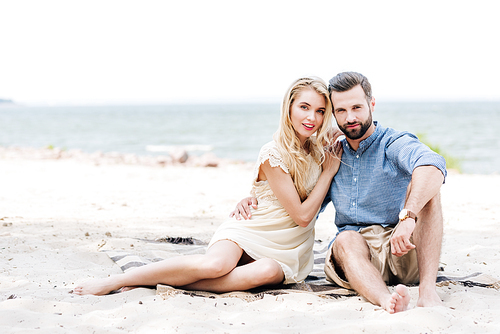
403,299
393,301
402,290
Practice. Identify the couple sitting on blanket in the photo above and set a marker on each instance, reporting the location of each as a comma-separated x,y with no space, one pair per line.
384,185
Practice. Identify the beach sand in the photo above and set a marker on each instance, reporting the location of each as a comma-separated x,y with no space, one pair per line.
56,216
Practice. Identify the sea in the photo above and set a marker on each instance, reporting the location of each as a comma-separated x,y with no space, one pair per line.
466,132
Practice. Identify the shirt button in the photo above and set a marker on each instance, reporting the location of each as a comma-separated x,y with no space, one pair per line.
353,204
355,179
357,157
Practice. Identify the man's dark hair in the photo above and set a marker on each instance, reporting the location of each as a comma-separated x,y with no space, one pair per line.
345,81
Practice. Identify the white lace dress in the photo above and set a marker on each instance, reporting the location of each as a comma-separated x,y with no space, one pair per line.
271,232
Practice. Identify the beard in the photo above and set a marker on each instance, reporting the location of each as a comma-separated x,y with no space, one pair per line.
358,133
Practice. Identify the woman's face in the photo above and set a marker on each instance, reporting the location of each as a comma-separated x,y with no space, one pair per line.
307,112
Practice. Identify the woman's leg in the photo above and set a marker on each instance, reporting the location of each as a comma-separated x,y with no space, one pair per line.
245,277
219,260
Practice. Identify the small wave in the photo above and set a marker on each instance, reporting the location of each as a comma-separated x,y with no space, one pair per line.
170,148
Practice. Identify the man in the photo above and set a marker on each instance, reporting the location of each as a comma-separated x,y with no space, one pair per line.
387,204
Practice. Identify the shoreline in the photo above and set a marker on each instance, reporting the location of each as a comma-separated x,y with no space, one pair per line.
178,156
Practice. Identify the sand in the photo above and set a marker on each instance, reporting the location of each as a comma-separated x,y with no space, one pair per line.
56,214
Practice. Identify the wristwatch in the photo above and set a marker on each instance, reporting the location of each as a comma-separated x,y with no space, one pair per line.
407,214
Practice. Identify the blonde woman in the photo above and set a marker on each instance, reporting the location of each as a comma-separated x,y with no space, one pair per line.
291,178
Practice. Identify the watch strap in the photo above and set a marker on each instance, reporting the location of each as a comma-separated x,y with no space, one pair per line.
409,214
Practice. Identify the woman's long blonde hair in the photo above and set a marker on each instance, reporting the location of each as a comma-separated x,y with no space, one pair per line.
287,141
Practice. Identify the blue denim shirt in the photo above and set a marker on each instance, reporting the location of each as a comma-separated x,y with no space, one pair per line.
370,186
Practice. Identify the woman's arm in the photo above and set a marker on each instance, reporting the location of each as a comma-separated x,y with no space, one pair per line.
242,209
282,185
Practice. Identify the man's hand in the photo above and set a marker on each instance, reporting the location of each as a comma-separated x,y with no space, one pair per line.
243,208
400,240
332,136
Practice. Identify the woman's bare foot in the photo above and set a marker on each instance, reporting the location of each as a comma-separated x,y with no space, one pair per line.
96,287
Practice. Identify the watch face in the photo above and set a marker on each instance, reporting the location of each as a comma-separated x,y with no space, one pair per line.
403,214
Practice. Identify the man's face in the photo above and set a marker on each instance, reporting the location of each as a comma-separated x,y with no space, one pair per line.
352,113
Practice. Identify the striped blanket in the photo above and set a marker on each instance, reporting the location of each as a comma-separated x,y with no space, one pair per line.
315,283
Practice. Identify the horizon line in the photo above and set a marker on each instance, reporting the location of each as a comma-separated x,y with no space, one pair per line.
13,103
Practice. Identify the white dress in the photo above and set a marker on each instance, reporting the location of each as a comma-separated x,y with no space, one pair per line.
271,232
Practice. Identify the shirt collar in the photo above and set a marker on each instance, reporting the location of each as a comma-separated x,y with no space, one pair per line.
364,144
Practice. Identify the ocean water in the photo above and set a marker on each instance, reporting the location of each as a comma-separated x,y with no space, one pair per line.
466,131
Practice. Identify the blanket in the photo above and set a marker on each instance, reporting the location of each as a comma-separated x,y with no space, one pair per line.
316,283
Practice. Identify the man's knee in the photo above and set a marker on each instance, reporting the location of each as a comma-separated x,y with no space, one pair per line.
435,202
432,209
349,242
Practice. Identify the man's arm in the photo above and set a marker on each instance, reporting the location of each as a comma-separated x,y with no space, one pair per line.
243,208
425,183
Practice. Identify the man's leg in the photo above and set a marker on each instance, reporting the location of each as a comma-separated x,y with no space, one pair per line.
352,255
427,237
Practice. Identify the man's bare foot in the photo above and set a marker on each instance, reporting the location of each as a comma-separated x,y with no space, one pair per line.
391,303
96,287
429,299
398,301
404,301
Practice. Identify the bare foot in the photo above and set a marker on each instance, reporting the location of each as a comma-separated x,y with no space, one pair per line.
398,301
96,287
404,301
391,303
429,299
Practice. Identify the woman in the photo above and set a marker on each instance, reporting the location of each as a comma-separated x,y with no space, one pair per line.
292,176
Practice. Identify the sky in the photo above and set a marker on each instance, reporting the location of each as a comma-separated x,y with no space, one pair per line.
153,52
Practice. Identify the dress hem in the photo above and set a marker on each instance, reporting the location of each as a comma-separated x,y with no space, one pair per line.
255,258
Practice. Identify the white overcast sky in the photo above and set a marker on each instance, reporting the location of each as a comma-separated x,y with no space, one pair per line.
109,52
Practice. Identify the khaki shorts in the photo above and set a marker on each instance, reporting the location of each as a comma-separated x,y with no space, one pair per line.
393,269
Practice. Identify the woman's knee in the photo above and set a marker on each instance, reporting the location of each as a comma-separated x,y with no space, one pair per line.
269,272
214,267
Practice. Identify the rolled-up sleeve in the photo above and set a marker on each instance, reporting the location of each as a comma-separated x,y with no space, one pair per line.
406,153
